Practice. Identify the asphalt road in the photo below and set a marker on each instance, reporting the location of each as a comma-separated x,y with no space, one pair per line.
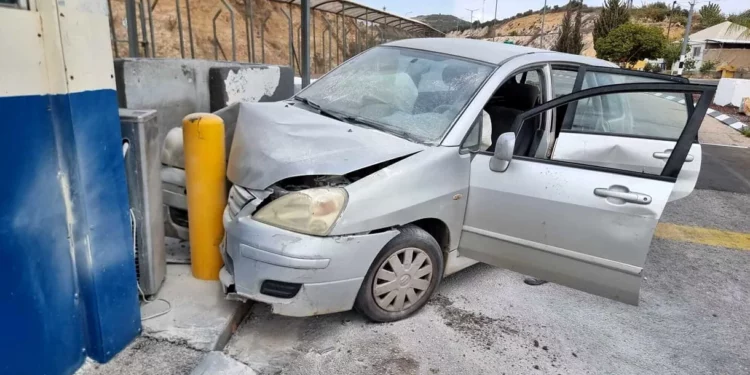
725,169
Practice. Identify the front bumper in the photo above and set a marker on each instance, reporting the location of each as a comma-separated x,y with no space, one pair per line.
329,269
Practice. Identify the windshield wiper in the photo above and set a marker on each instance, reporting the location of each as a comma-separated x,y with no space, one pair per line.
322,111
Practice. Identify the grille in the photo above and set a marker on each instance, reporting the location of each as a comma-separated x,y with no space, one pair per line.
238,198
279,289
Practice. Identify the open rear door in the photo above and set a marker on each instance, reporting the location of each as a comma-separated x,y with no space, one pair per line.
580,223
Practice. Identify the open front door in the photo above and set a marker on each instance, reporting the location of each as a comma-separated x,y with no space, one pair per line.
580,224
579,142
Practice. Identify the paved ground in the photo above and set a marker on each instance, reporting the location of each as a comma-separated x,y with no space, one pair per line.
712,131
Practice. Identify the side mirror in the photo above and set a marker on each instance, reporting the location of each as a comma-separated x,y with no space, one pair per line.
504,147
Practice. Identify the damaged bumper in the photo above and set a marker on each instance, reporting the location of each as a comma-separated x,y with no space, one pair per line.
297,274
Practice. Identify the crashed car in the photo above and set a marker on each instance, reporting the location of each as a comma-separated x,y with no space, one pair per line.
418,158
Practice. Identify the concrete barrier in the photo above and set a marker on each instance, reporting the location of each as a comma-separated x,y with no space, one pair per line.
731,91
176,87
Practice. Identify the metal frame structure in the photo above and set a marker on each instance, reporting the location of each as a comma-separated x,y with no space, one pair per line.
369,23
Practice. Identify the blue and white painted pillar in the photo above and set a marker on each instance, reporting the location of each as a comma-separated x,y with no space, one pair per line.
68,275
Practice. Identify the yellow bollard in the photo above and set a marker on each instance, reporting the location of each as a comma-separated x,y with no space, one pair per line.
205,171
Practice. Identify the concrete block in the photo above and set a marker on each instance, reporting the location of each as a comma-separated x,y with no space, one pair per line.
177,87
200,317
731,91
249,83
218,363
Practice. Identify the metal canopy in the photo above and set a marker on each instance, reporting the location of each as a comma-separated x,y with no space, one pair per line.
364,13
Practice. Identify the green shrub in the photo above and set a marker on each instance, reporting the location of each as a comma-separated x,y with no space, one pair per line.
708,66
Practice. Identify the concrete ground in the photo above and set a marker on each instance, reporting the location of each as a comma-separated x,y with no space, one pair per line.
714,132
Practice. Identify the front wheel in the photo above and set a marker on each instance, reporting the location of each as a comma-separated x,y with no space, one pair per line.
403,276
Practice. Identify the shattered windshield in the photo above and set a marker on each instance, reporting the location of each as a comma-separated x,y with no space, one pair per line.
405,91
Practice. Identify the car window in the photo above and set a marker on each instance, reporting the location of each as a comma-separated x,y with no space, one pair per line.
562,82
417,93
650,115
646,115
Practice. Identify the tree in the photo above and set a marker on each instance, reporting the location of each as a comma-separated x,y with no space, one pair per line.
570,39
630,43
671,53
711,15
614,13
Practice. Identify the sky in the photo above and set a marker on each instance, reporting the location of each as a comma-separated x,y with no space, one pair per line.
507,8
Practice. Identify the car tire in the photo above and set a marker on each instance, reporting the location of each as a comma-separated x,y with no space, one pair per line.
395,286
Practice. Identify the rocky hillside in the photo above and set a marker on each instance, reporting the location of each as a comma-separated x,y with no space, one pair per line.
526,30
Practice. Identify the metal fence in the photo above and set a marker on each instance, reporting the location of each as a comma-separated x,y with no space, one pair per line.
334,29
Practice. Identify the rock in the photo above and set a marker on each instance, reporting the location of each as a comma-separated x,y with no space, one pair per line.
745,107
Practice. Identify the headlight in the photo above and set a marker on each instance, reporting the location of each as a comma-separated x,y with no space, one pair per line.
311,211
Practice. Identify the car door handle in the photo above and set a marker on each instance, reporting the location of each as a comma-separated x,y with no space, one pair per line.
665,155
620,197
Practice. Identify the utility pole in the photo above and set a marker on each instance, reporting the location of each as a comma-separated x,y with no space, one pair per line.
305,42
685,39
669,25
541,35
483,19
494,20
471,16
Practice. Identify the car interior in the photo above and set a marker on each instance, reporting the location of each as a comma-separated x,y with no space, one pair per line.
515,96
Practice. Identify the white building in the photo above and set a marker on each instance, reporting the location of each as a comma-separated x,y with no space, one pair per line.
726,42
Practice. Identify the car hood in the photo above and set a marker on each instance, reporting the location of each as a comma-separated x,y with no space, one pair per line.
274,141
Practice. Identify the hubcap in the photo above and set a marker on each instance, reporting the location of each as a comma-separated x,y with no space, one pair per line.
402,279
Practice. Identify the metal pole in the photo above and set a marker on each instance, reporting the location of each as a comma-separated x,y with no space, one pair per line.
314,51
179,27
249,31
343,39
231,20
151,26
305,45
330,41
263,39
494,32
291,36
216,39
541,35
144,28
132,28
112,29
190,29
687,29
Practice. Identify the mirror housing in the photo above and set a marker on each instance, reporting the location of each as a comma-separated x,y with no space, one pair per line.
500,160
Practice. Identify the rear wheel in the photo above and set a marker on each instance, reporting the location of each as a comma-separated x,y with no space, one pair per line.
403,276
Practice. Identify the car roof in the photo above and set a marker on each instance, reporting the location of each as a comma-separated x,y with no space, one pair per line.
491,52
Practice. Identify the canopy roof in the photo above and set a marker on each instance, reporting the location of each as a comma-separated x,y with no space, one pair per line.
364,13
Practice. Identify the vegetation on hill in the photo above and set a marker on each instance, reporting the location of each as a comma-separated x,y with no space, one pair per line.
443,22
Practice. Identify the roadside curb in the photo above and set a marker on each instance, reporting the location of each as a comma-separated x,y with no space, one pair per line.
722,117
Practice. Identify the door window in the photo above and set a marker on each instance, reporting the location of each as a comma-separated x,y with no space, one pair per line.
614,138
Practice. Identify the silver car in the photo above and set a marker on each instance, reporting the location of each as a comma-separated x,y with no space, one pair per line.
415,159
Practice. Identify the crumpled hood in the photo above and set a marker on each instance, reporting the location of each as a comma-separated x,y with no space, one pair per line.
274,141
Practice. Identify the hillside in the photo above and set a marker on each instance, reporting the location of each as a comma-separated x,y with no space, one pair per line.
525,30
443,22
